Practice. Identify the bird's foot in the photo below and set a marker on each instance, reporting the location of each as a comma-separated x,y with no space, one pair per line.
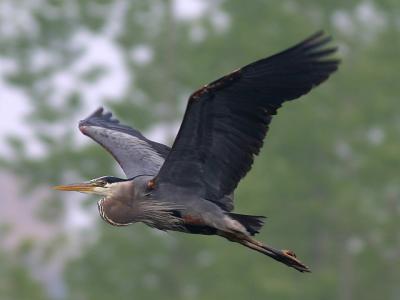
289,253
290,258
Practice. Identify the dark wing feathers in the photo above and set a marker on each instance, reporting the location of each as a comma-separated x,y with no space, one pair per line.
226,121
136,154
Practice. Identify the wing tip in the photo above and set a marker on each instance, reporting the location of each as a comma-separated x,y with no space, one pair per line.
315,48
315,43
315,36
100,114
97,112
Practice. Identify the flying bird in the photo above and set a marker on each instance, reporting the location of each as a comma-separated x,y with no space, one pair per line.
189,187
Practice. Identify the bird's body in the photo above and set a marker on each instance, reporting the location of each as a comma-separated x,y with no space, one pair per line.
132,201
189,187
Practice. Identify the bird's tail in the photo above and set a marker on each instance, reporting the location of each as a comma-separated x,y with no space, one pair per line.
284,256
252,224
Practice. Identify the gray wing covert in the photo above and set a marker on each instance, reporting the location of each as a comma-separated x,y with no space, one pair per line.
135,153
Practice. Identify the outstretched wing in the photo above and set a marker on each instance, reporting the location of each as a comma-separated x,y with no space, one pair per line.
226,121
135,154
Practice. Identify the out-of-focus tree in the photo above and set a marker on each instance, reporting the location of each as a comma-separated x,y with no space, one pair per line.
327,176
16,282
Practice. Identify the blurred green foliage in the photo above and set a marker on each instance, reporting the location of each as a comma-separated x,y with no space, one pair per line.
327,177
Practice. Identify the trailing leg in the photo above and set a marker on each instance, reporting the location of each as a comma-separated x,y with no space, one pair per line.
284,256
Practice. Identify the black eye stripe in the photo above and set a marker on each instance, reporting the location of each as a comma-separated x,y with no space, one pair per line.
114,179
107,179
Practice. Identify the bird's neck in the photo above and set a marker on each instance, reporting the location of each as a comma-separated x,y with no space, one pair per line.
116,213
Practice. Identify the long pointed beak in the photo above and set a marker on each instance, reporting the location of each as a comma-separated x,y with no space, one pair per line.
76,187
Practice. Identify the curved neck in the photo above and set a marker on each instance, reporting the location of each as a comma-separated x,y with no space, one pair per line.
115,212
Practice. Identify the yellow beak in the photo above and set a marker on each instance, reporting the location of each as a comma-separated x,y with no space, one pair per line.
76,187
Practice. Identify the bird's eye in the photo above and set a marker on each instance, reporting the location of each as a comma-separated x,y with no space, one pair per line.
102,182
98,182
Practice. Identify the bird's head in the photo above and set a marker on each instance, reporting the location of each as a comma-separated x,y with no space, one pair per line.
104,186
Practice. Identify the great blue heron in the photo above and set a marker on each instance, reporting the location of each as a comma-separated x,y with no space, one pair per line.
189,187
